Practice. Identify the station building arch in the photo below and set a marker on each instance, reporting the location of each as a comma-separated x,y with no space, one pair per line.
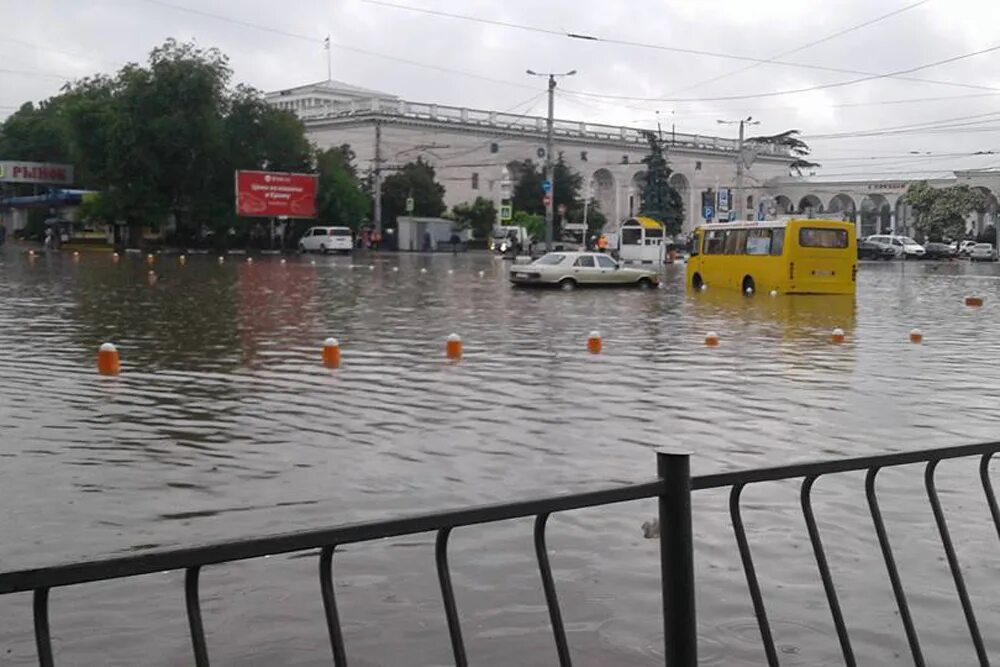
635,186
875,216
603,192
682,185
783,205
810,205
842,203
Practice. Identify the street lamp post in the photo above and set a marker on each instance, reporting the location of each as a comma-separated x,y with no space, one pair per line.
740,164
551,194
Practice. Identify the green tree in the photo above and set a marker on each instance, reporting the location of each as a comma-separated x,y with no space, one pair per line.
534,223
528,192
417,180
340,200
788,139
660,201
479,216
940,212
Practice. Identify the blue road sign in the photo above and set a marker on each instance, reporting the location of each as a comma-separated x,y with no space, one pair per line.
707,212
546,187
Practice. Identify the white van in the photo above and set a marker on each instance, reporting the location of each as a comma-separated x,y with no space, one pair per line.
327,239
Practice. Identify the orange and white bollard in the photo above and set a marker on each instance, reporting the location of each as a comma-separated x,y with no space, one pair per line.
594,342
837,337
108,362
331,353
974,301
453,347
712,339
916,336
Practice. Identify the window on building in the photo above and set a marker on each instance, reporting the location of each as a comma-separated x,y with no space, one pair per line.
697,165
475,180
494,147
624,159
583,156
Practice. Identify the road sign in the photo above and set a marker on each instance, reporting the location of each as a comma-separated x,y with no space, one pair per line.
505,212
546,187
723,200
409,204
707,212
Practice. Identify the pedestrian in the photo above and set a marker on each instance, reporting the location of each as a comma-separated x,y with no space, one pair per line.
427,242
3,234
48,238
602,243
376,240
455,242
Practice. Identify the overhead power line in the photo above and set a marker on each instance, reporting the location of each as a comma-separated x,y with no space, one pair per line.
808,45
32,72
809,89
662,47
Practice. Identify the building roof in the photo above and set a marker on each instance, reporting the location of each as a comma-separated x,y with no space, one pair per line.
333,87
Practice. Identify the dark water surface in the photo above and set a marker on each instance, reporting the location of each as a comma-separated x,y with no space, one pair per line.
223,424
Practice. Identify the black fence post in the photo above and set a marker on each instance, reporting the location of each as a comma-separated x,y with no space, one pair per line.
680,624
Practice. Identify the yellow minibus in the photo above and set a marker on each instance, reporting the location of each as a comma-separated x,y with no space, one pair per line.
788,256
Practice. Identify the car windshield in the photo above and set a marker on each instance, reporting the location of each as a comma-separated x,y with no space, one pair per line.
550,260
500,234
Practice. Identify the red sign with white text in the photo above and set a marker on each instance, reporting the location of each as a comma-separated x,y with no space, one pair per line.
267,194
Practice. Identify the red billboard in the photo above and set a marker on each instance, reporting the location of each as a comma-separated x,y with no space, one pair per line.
266,194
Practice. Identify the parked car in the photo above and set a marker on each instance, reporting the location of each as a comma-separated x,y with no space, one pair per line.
937,251
510,240
869,250
983,252
569,270
903,246
965,248
326,239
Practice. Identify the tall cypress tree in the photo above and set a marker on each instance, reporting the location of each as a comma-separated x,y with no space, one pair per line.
660,201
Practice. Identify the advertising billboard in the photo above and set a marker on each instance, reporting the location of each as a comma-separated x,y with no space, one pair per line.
267,194
15,171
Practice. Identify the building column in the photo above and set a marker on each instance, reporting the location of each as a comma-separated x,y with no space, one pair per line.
892,221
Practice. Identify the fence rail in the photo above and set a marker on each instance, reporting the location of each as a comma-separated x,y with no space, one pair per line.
672,488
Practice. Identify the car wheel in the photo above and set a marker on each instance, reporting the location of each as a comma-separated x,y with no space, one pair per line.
749,287
696,281
567,284
645,283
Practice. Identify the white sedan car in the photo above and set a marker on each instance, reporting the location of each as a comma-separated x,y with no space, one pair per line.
983,252
569,270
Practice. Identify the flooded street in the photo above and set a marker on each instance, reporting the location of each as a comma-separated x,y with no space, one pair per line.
224,424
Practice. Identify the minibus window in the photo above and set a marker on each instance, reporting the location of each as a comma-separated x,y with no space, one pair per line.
736,241
777,242
811,237
714,241
759,242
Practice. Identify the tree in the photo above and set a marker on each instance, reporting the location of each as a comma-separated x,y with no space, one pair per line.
788,139
660,201
528,194
534,223
940,212
480,216
414,179
340,200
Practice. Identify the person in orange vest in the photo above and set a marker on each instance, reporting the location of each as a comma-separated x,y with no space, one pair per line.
602,243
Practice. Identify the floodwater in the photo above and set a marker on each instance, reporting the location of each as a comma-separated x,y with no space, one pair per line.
224,424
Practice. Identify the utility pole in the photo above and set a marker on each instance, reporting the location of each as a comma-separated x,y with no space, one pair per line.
551,194
740,164
377,194
329,63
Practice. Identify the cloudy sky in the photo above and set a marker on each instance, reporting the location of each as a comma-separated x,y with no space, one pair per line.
693,61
